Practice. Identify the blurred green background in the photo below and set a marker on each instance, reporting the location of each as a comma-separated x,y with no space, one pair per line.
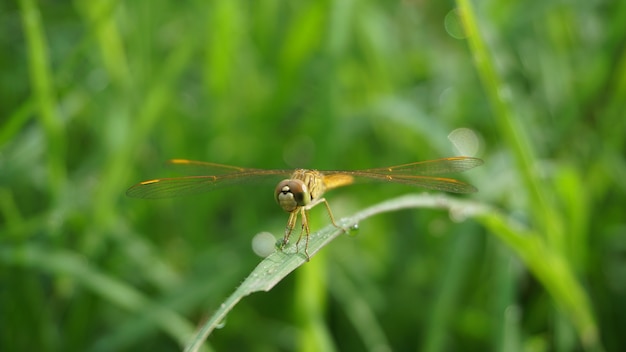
96,96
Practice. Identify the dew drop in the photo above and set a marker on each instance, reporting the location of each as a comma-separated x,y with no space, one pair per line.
263,244
453,25
353,230
466,141
221,324
458,214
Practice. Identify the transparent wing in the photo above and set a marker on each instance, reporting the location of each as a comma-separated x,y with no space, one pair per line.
201,168
430,167
423,174
213,176
209,176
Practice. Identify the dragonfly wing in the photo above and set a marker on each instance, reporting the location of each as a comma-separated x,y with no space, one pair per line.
190,185
422,174
201,168
427,182
430,167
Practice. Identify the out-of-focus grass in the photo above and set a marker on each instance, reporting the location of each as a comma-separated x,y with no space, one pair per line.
544,252
95,95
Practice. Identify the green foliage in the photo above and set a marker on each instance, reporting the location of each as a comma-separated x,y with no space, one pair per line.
96,95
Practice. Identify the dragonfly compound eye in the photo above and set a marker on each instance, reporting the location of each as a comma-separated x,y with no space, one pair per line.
291,194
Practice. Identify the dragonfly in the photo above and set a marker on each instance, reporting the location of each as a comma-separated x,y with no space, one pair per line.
303,189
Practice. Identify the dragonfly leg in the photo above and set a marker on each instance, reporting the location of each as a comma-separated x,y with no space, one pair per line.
291,224
306,230
330,213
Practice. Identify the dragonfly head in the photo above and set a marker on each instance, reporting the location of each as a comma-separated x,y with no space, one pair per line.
292,194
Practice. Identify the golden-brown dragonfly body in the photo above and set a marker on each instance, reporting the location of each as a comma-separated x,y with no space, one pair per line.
299,193
304,188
